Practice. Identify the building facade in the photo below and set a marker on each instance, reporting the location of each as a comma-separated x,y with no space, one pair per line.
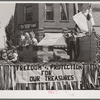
56,18
45,18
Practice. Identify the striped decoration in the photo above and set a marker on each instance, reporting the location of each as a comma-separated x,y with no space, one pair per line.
90,79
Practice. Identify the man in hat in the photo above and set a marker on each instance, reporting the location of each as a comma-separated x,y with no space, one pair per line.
73,45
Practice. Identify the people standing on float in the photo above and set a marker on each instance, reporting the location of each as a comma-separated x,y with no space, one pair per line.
4,55
15,56
72,46
27,39
33,39
22,42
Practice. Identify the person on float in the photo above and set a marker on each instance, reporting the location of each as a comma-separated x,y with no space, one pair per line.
33,39
72,45
10,55
4,55
14,56
22,42
27,39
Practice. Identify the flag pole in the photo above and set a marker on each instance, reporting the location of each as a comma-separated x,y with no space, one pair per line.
89,30
90,34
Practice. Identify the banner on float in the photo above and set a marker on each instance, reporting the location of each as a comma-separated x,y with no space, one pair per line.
30,73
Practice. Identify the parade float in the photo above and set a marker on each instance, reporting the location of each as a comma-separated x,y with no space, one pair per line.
46,66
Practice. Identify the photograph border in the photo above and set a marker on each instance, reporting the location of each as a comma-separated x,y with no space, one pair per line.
61,95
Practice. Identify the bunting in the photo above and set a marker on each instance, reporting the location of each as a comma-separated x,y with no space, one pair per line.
65,9
85,20
81,21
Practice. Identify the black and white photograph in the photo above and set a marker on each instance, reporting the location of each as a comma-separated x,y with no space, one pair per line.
50,46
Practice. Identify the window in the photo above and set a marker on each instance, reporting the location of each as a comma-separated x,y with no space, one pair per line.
28,13
64,10
49,9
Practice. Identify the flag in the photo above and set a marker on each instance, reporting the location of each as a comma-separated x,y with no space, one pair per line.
89,16
77,11
81,21
65,10
90,19
85,21
76,8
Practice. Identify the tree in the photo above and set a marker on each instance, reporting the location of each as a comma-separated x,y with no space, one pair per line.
9,30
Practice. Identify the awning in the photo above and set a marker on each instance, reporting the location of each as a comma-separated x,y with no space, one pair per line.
53,39
97,30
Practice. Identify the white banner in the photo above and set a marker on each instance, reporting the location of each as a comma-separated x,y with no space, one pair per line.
81,21
48,73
